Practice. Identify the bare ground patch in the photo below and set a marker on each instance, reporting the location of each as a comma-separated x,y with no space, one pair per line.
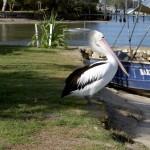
60,138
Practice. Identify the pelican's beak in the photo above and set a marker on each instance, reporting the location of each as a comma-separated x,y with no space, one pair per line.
106,46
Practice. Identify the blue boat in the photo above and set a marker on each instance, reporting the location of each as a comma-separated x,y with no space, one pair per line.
139,72
139,76
138,80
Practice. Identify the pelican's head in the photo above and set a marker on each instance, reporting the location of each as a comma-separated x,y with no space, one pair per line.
94,38
99,45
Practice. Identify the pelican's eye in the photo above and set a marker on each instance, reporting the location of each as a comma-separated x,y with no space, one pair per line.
103,37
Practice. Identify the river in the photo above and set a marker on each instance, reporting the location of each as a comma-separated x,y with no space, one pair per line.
20,34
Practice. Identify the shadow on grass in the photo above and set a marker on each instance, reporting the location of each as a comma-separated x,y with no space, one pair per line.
6,49
24,95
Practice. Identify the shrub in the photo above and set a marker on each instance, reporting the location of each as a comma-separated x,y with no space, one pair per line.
58,37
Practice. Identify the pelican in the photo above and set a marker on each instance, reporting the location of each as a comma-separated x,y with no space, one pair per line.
88,80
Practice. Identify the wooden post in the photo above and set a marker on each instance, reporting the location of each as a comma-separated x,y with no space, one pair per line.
126,6
36,35
105,11
50,34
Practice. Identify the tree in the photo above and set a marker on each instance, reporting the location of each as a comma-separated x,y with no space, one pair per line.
71,9
11,4
4,5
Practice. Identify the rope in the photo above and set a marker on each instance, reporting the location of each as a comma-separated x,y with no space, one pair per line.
140,43
119,34
135,23
129,34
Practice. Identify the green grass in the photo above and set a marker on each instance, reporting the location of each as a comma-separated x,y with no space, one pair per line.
31,81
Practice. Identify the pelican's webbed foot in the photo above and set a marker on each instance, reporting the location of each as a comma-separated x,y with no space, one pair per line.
89,102
98,98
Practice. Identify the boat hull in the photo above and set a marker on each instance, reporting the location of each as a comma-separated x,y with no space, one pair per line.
139,76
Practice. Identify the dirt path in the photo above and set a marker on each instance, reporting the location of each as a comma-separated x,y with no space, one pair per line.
129,113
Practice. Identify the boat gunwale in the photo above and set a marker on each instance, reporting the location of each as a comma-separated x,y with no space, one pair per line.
128,61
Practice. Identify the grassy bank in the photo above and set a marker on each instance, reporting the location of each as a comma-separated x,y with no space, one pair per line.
31,81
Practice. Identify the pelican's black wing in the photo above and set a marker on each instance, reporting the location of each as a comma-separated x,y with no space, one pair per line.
71,81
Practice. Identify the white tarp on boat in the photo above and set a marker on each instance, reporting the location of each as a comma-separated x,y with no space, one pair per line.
144,7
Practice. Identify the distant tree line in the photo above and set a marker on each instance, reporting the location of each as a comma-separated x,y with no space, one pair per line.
68,8
62,5
45,4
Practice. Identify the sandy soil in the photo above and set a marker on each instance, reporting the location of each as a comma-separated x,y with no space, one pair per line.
129,113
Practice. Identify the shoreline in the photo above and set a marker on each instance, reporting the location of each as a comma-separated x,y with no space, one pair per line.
33,21
17,21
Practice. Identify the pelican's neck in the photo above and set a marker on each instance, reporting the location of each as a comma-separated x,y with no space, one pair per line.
111,59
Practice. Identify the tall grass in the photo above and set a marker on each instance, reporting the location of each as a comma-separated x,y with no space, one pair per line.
58,37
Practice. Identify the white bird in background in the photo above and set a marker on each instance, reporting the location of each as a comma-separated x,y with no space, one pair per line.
88,80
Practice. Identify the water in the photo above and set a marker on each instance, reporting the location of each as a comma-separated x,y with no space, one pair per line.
16,34
20,34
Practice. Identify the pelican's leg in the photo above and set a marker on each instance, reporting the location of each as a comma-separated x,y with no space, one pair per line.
98,98
89,102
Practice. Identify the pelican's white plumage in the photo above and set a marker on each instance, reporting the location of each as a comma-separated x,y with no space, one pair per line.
88,80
